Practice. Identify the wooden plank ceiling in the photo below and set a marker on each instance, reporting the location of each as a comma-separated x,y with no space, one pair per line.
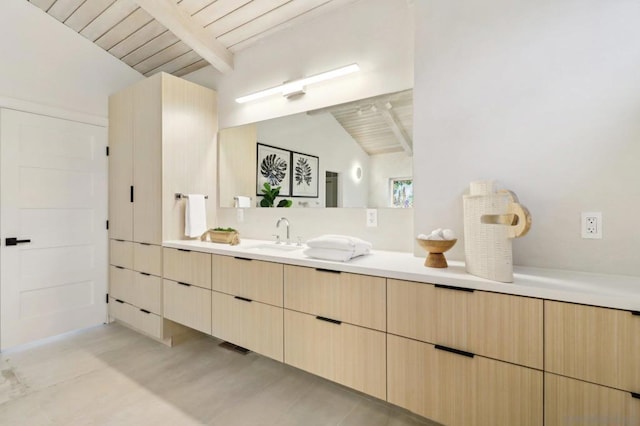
380,125
132,35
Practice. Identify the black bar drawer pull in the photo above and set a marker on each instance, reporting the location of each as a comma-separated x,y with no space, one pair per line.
450,287
145,311
119,267
145,274
455,351
184,284
119,301
635,313
14,241
332,321
635,395
131,193
244,299
331,271
184,250
145,244
241,258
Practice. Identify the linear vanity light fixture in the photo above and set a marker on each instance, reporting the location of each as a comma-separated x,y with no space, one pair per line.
296,87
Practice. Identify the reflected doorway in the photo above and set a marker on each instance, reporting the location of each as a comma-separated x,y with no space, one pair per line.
331,189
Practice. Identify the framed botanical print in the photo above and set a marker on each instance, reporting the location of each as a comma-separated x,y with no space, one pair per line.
304,177
401,190
274,167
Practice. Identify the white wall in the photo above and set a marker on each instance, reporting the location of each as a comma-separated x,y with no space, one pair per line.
383,167
377,34
545,98
321,135
46,63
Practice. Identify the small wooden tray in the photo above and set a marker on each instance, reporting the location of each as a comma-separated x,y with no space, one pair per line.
222,237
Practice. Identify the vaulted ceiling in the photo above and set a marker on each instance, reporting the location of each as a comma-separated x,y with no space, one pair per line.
179,37
380,125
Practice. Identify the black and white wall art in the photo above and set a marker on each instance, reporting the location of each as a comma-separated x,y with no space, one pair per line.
304,178
274,167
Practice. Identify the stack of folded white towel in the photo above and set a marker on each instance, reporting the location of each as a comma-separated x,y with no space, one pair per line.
337,247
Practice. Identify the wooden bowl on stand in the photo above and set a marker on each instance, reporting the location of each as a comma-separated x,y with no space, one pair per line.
435,258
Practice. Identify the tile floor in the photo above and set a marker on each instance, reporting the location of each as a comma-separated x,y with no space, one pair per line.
110,375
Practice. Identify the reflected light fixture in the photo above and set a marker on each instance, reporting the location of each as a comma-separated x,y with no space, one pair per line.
296,87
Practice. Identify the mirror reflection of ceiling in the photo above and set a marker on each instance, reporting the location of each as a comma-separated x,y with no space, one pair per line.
380,125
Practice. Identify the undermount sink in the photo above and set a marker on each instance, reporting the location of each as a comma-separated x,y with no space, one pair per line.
276,247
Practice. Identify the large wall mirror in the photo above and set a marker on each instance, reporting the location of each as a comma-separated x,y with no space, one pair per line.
358,154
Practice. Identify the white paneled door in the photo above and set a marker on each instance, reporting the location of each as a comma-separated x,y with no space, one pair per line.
53,193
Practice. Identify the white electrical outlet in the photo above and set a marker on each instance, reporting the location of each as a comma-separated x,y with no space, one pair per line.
240,215
372,218
591,225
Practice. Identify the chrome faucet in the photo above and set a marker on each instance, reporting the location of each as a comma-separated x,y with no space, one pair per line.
284,219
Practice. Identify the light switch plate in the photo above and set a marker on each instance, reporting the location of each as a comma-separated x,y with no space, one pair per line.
240,215
372,218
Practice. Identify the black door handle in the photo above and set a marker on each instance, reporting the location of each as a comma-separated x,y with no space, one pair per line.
14,241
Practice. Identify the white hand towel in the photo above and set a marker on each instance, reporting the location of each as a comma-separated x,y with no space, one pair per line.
195,216
330,254
242,202
340,242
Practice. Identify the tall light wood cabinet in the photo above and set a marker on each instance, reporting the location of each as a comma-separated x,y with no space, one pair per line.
162,141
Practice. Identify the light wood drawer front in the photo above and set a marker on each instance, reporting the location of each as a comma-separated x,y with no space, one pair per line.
252,325
351,298
574,402
187,305
147,258
121,284
146,322
411,310
121,253
505,327
253,279
190,267
598,345
460,391
148,292
350,355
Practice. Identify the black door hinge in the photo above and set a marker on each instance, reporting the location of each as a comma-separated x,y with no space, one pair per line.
107,151
107,224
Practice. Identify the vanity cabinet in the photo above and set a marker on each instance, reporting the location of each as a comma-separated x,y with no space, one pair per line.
187,304
351,298
500,326
247,323
334,325
455,389
592,356
188,267
251,279
187,288
463,357
247,304
347,354
571,401
598,345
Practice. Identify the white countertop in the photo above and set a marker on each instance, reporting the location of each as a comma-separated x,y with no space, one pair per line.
612,291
